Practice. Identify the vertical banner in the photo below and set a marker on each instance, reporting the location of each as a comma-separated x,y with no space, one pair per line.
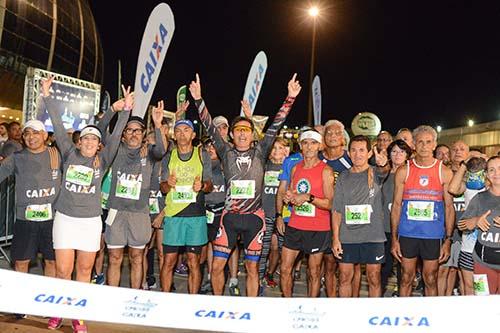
155,41
316,86
255,80
181,97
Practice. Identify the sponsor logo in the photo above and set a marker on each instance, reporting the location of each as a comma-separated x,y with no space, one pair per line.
303,318
62,300
491,237
41,193
379,258
303,186
247,160
398,321
424,180
154,56
136,308
223,314
257,82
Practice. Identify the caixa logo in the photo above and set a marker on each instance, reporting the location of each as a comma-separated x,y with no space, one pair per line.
223,314
154,56
257,82
62,300
399,321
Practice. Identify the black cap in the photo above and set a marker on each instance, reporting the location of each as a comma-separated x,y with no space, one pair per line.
138,120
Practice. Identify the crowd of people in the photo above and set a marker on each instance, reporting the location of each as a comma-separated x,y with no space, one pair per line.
403,204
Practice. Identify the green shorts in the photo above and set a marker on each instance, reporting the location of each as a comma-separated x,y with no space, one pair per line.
182,231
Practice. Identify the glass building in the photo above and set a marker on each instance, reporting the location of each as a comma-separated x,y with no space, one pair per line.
56,35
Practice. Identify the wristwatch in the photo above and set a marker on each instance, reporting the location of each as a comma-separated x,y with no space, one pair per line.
311,198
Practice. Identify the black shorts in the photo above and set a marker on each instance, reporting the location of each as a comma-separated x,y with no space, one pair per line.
363,253
213,228
426,249
181,249
250,227
31,238
309,242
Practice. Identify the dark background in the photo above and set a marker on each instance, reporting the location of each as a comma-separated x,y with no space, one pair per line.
409,62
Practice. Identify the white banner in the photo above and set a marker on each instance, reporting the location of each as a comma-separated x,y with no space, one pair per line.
42,296
155,41
316,86
255,80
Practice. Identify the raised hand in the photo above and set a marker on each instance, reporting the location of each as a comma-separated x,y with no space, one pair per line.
128,98
118,105
195,88
181,110
157,114
197,185
380,157
46,83
294,86
247,110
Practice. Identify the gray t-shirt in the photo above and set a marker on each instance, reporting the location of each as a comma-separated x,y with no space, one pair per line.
156,198
131,176
80,194
360,208
479,205
271,183
37,184
218,194
387,196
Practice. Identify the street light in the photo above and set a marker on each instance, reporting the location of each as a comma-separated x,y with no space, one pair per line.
470,122
313,13
439,128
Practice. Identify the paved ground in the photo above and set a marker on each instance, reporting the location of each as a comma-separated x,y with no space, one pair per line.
36,324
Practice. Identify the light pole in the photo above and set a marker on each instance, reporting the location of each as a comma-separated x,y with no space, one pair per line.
313,13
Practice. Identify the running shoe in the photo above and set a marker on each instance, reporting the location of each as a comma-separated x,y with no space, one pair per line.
234,290
268,280
78,326
20,316
182,270
54,323
98,279
206,288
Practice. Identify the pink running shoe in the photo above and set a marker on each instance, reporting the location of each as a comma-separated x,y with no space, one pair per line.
54,323
78,326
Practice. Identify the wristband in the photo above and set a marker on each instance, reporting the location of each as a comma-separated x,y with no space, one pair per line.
311,198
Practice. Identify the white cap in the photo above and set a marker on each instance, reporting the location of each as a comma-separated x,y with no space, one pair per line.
90,130
311,134
34,124
220,120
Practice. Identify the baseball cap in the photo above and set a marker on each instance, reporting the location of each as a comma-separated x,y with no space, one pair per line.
186,122
137,120
220,120
34,124
90,130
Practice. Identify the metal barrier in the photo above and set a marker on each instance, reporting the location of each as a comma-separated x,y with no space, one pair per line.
7,214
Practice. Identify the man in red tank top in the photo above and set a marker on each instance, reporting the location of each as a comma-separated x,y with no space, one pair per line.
309,230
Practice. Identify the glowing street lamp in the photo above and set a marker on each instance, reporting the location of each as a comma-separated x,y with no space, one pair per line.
313,11
439,128
470,122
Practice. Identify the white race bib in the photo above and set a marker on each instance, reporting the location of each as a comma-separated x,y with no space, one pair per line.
242,189
358,214
79,175
420,211
210,217
38,213
184,194
128,189
306,209
271,178
154,206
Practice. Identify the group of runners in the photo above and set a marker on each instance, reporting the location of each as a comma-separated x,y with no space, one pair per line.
347,208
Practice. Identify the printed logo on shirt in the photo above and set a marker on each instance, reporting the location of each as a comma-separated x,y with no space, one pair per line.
244,160
424,180
218,189
303,186
41,193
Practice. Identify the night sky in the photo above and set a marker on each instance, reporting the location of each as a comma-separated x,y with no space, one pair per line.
409,62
